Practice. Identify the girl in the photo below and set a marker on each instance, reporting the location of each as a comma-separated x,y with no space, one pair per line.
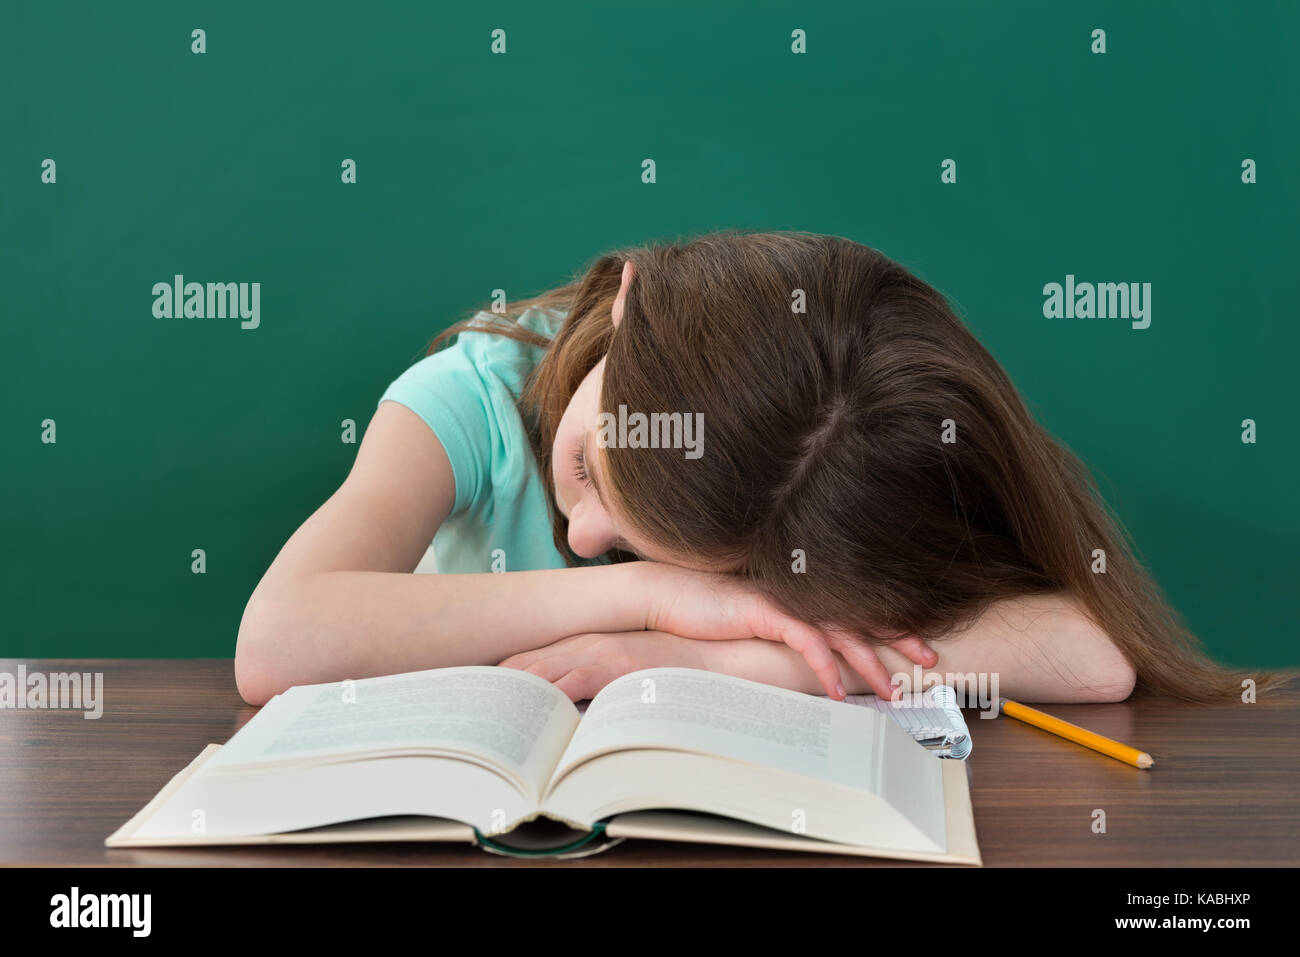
864,483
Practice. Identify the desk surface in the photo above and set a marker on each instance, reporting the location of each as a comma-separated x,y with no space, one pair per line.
1222,792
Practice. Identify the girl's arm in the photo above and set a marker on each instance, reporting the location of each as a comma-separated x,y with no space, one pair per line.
339,600
1042,649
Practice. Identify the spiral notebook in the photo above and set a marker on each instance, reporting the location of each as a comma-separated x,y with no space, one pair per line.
931,717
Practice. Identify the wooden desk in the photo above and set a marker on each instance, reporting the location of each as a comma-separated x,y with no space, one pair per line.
1222,793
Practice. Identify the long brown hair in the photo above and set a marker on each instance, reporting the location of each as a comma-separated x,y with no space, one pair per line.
871,430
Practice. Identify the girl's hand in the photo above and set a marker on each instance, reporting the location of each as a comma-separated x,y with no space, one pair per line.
583,664
707,605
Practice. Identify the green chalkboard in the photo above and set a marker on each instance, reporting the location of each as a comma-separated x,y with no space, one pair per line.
478,170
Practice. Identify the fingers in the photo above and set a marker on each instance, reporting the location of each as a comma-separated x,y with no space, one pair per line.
582,683
763,620
815,650
561,663
819,645
524,660
547,668
917,651
863,659
559,670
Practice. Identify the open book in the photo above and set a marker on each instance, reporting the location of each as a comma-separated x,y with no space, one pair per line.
502,758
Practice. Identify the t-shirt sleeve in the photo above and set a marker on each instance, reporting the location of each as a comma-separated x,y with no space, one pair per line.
448,393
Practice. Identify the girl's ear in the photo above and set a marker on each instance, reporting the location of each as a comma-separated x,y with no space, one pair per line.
617,312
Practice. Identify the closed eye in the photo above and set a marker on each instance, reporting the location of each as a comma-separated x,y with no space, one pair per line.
580,465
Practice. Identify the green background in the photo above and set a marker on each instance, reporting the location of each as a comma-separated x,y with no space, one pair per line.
478,171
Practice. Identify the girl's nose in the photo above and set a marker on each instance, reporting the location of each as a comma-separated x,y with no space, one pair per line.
590,531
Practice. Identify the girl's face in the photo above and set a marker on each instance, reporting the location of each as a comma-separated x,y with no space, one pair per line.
580,490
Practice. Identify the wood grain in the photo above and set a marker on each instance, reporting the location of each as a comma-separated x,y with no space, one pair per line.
1222,793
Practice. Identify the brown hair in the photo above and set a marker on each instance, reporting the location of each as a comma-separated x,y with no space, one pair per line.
825,433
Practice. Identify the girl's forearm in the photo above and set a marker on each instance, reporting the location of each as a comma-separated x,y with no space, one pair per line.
1040,648
356,624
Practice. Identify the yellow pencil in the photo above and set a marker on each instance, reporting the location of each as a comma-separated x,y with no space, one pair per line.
1072,732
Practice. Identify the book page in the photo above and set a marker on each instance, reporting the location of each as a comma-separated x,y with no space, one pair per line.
513,719
700,711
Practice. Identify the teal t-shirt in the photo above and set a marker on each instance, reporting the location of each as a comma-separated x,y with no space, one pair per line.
467,394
